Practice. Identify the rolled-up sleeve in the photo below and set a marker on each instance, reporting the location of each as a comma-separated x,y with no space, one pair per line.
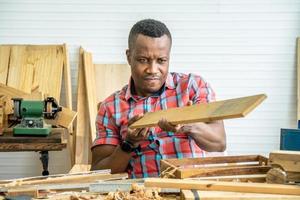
200,90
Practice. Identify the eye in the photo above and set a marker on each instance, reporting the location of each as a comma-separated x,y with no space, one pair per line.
162,60
142,60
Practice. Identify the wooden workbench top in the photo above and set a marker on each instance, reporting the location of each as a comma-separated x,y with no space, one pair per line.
53,142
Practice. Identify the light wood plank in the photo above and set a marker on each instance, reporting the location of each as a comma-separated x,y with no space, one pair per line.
67,77
287,160
4,62
90,83
222,171
110,78
15,93
223,186
64,118
217,195
227,109
83,130
21,69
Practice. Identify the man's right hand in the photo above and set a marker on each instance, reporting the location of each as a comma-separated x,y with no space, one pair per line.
136,136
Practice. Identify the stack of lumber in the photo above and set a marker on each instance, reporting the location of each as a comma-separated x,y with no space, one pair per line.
41,185
95,83
244,168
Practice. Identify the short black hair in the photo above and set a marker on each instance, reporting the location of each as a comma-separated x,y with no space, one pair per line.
148,27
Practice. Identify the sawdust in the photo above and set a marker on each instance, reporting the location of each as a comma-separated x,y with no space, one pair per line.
137,193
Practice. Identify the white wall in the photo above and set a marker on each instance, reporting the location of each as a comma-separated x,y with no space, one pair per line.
243,47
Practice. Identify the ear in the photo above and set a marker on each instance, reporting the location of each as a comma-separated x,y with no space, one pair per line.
128,56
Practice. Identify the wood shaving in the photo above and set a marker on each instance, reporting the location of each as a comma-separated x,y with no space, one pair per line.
137,193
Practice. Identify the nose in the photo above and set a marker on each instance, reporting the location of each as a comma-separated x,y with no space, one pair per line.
153,68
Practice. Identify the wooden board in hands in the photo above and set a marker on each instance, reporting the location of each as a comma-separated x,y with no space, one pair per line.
206,112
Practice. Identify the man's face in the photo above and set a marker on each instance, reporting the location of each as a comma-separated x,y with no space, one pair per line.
149,61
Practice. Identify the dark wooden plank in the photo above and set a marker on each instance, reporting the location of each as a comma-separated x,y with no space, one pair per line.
54,137
10,147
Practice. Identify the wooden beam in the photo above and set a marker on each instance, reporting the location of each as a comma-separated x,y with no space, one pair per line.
223,186
222,171
217,195
256,178
83,130
227,109
216,160
90,83
67,77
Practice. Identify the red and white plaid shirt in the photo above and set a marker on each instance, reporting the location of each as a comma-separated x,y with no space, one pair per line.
117,109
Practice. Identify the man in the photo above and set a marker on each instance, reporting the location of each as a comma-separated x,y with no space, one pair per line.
151,88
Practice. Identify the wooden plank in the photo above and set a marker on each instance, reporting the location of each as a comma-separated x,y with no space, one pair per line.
80,168
287,160
15,93
90,83
256,178
110,78
231,170
53,142
83,130
67,77
217,195
227,109
64,118
20,73
223,186
298,78
15,147
4,62
48,66
32,192
54,137
215,160
69,179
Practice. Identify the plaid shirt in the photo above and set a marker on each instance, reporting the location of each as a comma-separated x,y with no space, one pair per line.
114,112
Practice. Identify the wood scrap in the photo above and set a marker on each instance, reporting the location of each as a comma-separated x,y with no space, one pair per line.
223,186
289,161
64,118
227,109
137,192
218,195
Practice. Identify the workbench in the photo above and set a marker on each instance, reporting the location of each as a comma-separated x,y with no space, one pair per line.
42,144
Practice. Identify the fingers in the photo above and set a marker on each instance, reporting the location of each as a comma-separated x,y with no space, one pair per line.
167,126
134,119
190,103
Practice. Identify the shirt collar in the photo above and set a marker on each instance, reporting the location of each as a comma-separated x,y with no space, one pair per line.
168,84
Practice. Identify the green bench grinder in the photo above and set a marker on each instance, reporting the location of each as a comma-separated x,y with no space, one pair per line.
31,114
